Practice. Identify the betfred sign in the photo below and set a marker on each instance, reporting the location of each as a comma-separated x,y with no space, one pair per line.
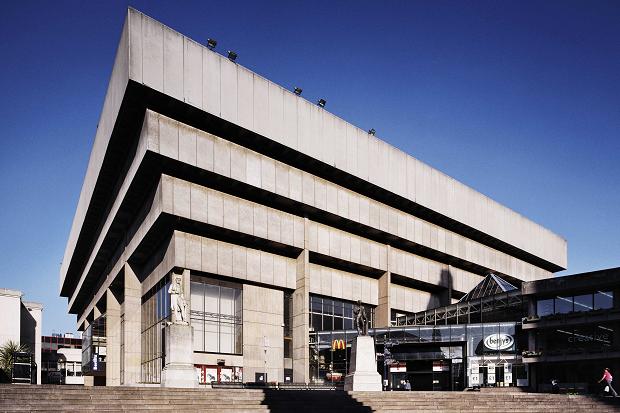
499,341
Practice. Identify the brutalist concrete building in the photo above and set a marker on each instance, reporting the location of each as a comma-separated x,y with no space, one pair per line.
278,214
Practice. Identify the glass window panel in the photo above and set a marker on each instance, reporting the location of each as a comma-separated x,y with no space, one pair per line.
457,333
563,305
317,323
328,323
338,308
426,333
212,297
227,336
603,300
348,310
583,302
328,306
211,336
197,296
412,334
544,307
227,301
348,323
316,304
199,335
338,324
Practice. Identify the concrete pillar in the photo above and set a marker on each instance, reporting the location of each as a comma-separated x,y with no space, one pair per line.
131,328
88,380
113,340
383,310
301,307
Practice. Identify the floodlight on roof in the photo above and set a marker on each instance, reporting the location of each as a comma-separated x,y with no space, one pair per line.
211,43
232,56
372,132
321,103
297,91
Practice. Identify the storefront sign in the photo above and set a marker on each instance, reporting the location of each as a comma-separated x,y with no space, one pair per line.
491,373
441,366
507,373
339,345
499,341
398,369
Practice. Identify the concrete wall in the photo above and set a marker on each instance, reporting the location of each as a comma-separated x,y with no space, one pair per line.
192,73
263,333
31,331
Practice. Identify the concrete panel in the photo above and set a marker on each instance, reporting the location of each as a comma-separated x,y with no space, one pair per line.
221,157
169,138
211,82
268,174
245,99
351,158
173,64
238,163
253,169
187,144
290,132
228,90
153,53
261,105
204,151
275,124
192,72
135,46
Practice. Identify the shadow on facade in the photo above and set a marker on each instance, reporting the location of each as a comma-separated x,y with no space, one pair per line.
311,400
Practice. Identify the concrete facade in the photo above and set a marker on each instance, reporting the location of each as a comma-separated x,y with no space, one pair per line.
203,167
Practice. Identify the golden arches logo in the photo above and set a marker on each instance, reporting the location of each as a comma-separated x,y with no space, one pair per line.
339,345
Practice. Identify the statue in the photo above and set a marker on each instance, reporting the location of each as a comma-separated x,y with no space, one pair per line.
178,305
361,320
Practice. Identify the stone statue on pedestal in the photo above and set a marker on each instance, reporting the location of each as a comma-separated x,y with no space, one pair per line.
361,319
178,305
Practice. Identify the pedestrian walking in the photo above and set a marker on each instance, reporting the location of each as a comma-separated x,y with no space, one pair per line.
407,386
608,378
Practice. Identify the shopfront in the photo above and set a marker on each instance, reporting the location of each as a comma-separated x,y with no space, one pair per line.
439,358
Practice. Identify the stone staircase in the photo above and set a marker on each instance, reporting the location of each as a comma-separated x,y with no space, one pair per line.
16,398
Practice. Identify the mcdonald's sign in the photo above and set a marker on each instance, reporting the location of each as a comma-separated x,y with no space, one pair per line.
339,345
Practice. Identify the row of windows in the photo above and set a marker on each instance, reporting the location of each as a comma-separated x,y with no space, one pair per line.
599,300
327,314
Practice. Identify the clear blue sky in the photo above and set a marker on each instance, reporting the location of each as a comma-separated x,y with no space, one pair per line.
519,100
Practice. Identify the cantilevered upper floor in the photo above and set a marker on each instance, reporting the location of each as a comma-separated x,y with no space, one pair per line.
158,69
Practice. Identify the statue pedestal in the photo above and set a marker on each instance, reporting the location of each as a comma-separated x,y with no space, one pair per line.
179,364
363,374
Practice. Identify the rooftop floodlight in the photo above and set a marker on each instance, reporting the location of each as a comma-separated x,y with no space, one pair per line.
297,91
211,43
321,103
372,132
232,56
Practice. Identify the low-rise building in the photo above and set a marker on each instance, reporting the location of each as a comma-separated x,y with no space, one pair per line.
21,323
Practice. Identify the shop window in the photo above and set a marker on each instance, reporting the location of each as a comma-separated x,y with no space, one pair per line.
328,314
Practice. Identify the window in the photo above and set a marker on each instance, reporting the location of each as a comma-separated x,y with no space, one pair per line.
155,312
544,307
603,300
217,316
599,300
563,305
327,314
288,324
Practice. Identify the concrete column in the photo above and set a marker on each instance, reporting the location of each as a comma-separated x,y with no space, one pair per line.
301,307
131,327
263,336
383,311
113,340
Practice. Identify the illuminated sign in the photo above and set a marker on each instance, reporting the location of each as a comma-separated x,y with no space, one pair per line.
339,344
499,341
